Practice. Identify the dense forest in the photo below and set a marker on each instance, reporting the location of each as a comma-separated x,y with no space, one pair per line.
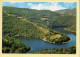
12,45
24,22
70,50
42,17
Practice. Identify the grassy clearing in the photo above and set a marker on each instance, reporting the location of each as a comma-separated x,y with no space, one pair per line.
55,36
44,18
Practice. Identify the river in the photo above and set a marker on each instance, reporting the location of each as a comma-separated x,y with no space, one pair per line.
37,45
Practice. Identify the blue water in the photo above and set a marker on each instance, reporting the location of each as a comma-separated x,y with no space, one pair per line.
37,45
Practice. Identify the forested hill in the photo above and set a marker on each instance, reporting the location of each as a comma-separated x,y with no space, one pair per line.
25,12
42,17
71,11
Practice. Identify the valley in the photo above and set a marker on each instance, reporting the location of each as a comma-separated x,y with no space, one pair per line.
34,24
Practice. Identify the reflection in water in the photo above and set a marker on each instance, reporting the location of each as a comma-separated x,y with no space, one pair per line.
37,45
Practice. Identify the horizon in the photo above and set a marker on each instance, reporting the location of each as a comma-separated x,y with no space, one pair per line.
52,6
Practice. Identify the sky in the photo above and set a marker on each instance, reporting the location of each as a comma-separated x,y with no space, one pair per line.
53,6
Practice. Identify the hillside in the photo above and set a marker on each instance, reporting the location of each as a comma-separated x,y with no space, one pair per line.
14,26
17,26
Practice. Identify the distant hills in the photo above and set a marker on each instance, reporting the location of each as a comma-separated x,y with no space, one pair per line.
71,11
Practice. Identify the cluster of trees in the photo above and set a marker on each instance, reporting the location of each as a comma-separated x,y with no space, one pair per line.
70,50
57,38
64,39
13,45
